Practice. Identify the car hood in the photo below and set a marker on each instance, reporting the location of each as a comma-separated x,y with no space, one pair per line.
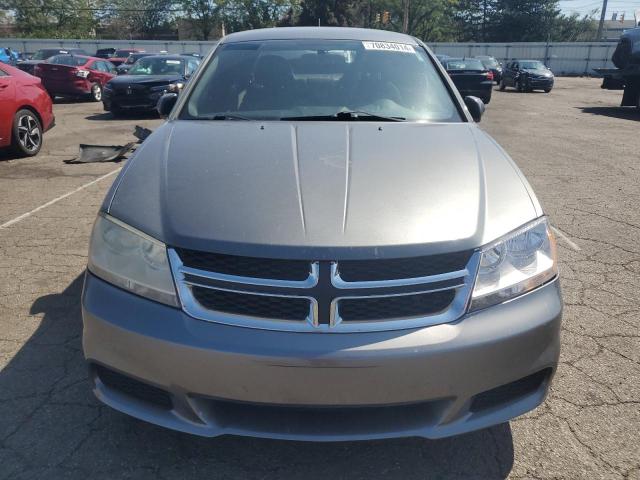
144,79
321,190
539,72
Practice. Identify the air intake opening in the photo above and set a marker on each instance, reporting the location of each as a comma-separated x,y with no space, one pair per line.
510,392
133,388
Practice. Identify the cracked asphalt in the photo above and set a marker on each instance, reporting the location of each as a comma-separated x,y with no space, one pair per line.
582,155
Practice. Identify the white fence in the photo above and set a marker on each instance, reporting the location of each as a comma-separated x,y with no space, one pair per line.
577,58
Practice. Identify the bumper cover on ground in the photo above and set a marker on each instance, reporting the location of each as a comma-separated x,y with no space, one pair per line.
233,380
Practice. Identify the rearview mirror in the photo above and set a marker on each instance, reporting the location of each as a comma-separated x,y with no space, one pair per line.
166,104
475,106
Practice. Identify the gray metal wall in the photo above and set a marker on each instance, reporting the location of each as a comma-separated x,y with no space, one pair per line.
563,58
90,46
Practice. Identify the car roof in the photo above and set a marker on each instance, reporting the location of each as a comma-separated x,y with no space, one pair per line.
324,33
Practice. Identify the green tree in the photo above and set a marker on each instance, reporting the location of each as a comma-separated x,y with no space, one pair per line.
523,20
204,15
430,20
341,13
247,14
574,28
54,18
474,19
139,18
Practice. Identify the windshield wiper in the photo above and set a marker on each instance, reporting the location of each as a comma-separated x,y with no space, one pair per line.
223,116
349,116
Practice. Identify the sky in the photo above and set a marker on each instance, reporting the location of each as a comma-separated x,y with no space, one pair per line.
586,6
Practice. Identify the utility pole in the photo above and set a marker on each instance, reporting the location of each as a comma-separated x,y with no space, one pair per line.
602,17
405,17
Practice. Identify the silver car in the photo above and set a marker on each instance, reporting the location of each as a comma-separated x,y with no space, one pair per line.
321,244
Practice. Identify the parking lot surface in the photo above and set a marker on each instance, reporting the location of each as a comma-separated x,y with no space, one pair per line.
582,155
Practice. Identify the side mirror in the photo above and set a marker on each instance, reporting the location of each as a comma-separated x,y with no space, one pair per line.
475,106
166,104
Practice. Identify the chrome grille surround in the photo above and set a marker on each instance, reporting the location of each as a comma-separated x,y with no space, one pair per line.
461,281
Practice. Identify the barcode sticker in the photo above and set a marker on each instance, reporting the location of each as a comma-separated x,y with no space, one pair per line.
389,46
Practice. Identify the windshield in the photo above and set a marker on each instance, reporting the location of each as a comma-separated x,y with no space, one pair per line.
300,79
122,53
134,57
489,62
157,66
464,64
44,54
69,60
532,65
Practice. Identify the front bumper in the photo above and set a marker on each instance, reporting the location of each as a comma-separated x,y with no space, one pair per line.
540,83
232,380
112,99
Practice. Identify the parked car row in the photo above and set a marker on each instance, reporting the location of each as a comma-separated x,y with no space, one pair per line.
476,75
26,97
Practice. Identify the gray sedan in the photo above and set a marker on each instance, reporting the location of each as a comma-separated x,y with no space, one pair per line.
321,244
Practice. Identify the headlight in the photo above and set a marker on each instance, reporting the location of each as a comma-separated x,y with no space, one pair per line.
515,264
131,260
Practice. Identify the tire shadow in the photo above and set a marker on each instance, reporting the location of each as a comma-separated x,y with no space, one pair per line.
124,116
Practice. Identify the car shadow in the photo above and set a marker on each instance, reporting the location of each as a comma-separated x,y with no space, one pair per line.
145,115
70,100
7,154
513,90
623,113
54,423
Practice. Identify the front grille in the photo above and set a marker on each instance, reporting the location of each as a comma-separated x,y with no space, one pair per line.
285,308
296,270
134,388
310,295
397,268
329,421
134,89
401,306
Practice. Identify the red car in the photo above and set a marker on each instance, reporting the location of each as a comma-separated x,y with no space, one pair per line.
25,111
75,76
121,55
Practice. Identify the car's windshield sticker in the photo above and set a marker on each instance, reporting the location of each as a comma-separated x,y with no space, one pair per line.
389,46
173,62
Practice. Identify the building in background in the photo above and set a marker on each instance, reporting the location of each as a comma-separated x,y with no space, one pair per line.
614,28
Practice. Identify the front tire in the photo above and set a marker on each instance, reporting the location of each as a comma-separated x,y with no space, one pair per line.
547,90
503,85
96,92
26,134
